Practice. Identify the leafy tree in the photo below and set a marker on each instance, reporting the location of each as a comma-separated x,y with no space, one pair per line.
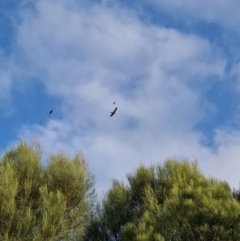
236,194
197,208
43,203
144,228
171,202
108,219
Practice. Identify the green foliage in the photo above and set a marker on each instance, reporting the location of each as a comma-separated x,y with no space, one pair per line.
97,229
108,219
38,203
116,208
171,202
236,194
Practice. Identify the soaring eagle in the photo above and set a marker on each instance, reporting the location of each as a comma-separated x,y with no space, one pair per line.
112,113
50,112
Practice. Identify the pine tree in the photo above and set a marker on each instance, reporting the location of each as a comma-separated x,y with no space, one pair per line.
43,203
171,202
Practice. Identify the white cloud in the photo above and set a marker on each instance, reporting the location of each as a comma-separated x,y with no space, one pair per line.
224,12
92,56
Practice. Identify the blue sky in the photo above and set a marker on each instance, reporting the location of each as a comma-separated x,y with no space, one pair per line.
173,68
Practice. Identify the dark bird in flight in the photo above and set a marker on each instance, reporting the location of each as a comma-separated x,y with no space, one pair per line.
112,113
114,102
50,112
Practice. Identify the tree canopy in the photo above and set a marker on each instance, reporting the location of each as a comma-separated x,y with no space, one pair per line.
170,202
43,203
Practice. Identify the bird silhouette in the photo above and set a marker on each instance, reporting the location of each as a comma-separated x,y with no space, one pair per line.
114,102
113,112
50,112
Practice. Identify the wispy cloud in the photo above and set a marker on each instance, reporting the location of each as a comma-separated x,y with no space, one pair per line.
215,11
90,56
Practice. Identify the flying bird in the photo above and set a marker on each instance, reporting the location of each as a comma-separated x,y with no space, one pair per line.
114,102
50,112
112,113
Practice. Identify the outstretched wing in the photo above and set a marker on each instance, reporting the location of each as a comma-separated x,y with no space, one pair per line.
112,113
